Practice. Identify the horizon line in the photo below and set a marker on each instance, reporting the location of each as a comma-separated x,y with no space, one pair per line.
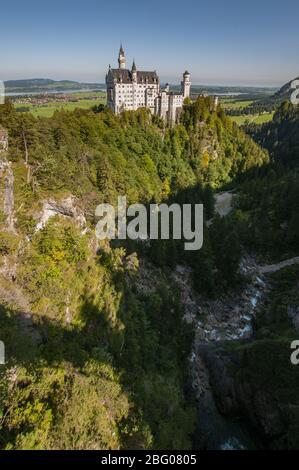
201,84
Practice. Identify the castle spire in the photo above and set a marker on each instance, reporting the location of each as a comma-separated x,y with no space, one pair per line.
134,72
121,58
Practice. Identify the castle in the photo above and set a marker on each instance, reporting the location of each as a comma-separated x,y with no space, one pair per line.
133,89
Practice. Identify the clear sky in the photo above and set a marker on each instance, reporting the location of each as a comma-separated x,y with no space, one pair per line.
230,42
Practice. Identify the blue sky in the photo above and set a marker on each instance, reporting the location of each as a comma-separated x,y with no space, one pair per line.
219,41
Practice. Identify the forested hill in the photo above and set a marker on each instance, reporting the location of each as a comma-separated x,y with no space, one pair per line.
44,85
280,136
132,153
269,103
95,342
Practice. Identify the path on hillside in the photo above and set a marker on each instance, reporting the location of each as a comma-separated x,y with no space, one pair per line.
223,207
273,268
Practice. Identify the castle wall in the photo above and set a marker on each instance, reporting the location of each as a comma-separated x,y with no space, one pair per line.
133,96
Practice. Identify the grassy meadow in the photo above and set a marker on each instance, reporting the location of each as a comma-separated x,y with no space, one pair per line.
85,101
256,119
233,103
237,104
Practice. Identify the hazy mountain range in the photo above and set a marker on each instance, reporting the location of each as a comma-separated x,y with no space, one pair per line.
44,85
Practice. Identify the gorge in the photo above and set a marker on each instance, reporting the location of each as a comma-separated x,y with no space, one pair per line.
129,345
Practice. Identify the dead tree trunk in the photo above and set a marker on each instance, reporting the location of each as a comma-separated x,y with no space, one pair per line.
26,157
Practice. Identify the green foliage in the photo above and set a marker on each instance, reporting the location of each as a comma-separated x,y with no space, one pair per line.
99,363
62,407
267,218
132,153
85,384
281,136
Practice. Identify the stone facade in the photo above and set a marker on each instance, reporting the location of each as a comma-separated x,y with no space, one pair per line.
133,89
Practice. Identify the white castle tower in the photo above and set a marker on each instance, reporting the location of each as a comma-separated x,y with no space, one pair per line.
186,85
121,58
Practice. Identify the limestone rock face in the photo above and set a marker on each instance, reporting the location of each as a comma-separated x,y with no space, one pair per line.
66,208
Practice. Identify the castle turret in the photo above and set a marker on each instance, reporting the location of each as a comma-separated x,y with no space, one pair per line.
121,58
134,72
186,85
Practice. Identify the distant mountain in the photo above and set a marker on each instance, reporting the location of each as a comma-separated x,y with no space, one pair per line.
285,92
43,85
